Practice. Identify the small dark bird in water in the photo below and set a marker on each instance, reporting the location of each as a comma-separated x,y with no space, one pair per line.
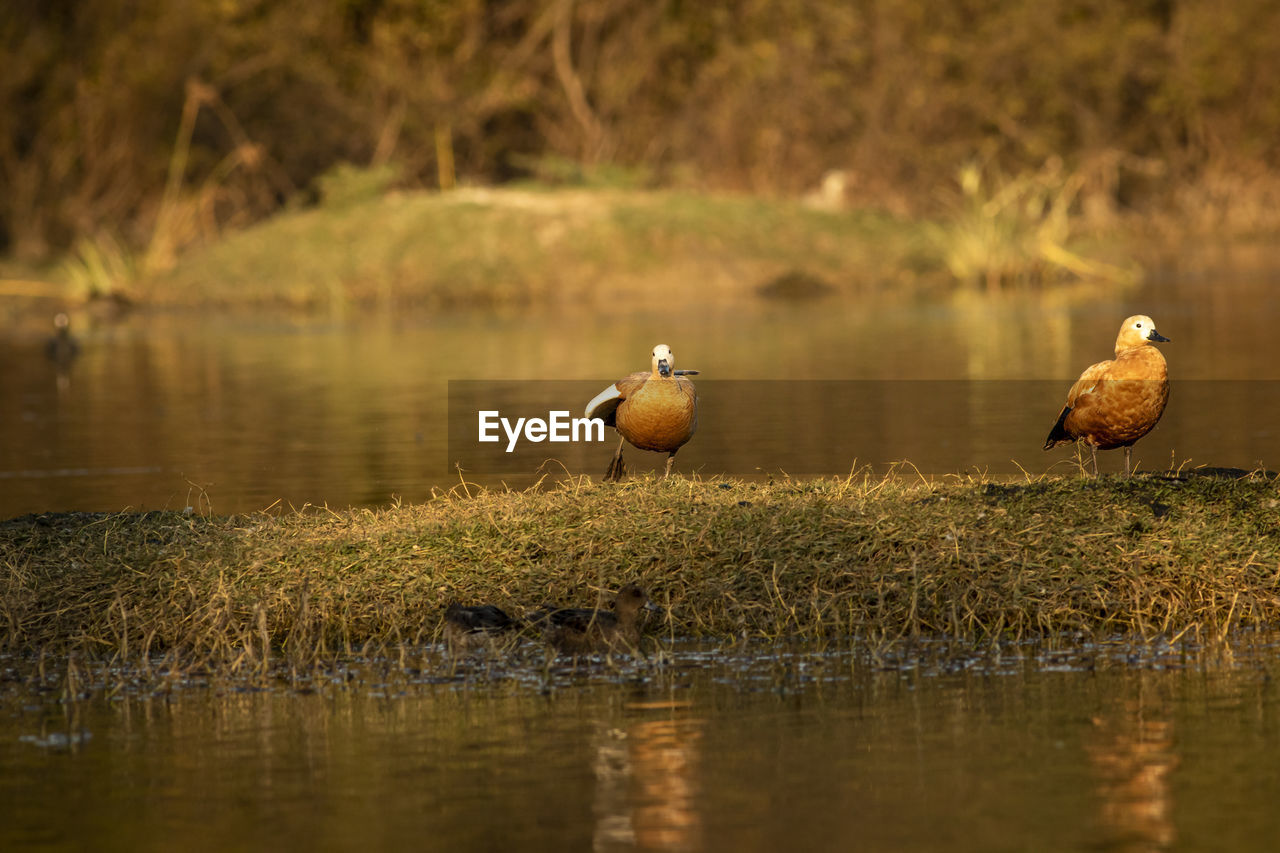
654,410
580,631
61,348
1114,403
477,626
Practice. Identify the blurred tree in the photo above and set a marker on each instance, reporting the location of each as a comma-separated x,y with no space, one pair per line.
164,120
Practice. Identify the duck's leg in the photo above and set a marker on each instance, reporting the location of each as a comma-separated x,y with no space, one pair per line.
1128,472
1093,448
671,457
617,470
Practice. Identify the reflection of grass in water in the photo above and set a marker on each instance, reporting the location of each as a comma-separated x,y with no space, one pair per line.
518,246
876,559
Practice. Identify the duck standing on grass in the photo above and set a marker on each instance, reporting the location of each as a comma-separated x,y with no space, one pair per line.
656,411
581,631
1115,403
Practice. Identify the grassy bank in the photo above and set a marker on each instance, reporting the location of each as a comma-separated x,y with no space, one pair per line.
363,245
489,247
820,559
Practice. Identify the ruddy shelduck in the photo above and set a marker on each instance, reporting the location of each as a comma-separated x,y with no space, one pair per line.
1115,403
657,410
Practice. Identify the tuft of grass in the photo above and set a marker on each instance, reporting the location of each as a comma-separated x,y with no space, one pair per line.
878,560
1008,231
99,266
345,184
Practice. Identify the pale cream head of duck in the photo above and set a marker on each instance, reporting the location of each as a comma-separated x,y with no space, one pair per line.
664,363
1137,331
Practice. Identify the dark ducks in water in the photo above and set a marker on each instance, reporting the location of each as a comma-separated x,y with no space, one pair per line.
61,348
474,627
581,631
1114,403
655,410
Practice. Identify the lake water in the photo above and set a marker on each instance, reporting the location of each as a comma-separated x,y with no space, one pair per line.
762,747
236,413
1104,746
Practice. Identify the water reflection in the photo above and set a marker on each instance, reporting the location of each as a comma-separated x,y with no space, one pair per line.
1132,753
753,748
647,785
833,427
235,413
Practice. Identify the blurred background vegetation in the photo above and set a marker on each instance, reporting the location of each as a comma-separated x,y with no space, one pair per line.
140,128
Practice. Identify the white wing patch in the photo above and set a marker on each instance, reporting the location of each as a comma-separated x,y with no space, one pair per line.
604,403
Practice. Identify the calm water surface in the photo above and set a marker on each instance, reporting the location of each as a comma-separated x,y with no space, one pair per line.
1102,747
237,413
1098,747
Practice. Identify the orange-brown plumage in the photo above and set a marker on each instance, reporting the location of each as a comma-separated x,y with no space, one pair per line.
1114,403
655,410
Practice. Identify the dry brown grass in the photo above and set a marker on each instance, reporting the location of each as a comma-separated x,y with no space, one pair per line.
868,558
